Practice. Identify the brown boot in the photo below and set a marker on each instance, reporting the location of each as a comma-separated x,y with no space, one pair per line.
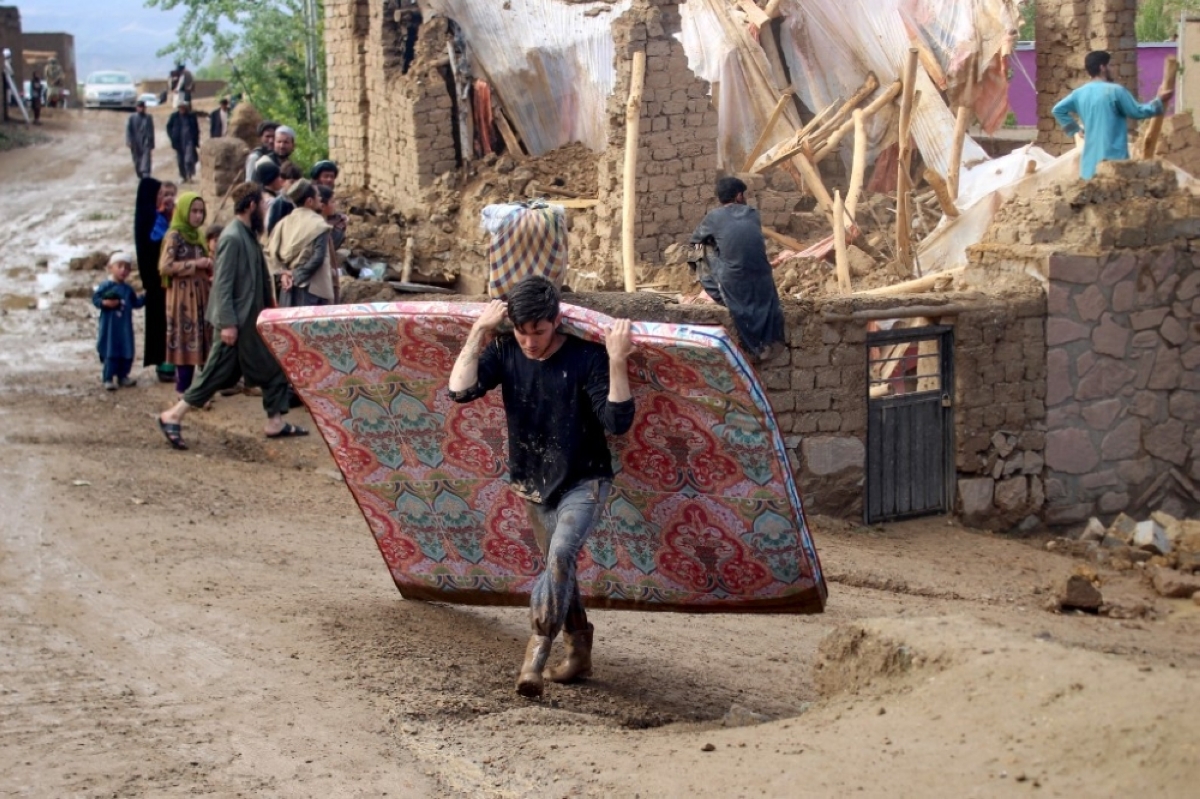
578,663
529,683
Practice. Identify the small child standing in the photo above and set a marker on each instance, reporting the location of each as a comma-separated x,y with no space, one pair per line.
116,300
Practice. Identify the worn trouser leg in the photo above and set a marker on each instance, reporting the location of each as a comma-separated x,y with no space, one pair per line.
561,533
221,370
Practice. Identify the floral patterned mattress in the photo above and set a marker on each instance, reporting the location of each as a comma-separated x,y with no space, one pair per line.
704,514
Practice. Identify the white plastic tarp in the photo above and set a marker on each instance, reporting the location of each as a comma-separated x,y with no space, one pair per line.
550,63
746,86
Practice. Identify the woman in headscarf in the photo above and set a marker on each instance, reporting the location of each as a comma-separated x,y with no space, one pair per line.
187,272
151,218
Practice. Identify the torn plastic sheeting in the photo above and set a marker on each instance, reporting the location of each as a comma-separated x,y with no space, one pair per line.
549,62
720,50
963,45
983,189
830,48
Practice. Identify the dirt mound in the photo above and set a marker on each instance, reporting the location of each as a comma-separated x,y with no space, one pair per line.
856,655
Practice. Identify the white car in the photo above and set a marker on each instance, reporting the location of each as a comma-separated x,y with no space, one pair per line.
151,100
109,89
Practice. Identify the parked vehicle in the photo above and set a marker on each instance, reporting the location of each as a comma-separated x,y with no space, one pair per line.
109,89
151,100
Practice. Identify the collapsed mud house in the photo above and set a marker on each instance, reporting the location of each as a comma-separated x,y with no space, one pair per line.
1039,369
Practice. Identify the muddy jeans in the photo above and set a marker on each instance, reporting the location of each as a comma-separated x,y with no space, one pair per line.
561,532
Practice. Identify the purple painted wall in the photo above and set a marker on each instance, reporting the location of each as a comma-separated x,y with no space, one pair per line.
1022,97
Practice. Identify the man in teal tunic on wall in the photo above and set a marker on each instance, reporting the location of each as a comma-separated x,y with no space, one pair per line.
1103,108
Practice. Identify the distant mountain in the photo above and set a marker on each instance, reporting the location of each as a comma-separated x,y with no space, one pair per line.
109,34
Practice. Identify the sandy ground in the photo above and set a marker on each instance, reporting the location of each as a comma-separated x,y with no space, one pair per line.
219,622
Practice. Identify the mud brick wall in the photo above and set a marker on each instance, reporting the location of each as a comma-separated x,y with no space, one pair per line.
63,44
1123,332
391,114
347,24
1066,31
1000,412
677,151
1180,142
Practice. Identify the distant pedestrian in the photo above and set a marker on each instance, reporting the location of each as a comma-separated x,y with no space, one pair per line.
187,276
182,86
117,300
35,98
242,289
266,141
1104,108
183,129
218,120
139,138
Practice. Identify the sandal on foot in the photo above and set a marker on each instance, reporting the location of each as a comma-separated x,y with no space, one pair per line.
173,433
289,430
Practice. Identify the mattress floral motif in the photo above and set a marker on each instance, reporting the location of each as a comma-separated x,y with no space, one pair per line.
704,514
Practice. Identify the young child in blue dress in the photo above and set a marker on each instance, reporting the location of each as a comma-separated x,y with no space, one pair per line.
116,300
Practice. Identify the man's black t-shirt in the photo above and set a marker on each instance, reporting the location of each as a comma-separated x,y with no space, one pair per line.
558,412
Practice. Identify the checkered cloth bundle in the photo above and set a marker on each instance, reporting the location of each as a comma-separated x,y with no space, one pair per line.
527,239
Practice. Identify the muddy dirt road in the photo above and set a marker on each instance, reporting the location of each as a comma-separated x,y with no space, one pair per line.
218,622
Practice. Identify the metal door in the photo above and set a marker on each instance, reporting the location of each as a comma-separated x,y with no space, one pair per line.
910,460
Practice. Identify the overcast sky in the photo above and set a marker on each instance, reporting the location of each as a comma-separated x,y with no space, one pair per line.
109,34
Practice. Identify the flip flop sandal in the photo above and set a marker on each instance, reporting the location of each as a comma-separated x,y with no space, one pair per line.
289,430
173,433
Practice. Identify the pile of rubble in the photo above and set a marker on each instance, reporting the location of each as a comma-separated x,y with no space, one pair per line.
1166,548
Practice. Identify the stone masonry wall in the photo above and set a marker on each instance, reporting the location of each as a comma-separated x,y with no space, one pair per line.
677,152
1000,412
1066,30
1123,332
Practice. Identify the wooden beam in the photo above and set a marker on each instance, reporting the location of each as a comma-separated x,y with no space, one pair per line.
1154,129
761,144
917,285
754,15
942,191
812,182
582,202
858,167
841,251
780,238
785,150
869,111
903,312
838,120
962,117
903,163
633,121
512,144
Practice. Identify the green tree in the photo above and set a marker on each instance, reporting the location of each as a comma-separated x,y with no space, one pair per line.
264,45
1158,20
